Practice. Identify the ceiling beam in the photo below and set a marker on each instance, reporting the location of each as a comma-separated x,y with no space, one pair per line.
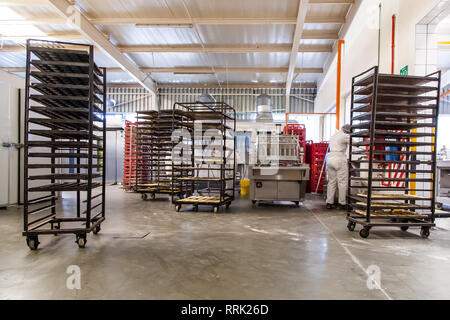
224,48
216,21
161,22
302,9
12,49
307,34
208,70
234,85
202,70
96,37
52,36
44,2
331,1
199,49
35,21
320,35
11,3
343,32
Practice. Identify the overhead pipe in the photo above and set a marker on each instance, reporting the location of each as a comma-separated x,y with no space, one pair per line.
305,114
445,94
338,84
393,43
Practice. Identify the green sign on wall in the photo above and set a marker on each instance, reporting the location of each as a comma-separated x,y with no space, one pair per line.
404,71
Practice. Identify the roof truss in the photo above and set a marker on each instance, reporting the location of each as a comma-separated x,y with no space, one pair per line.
87,30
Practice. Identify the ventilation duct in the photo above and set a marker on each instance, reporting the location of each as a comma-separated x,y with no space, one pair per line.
264,108
111,103
206,98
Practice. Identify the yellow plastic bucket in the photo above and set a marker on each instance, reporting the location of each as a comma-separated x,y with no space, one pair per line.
245,187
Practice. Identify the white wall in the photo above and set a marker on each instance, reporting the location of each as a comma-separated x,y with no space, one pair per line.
361,45
9,85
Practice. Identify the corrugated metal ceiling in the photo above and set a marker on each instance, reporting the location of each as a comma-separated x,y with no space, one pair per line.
330,9
197,8
209,35
32,12
17,60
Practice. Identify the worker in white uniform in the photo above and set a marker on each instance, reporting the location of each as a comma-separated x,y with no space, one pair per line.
338,167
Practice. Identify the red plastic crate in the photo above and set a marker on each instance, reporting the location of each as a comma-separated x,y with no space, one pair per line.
315,157
129,165
298,130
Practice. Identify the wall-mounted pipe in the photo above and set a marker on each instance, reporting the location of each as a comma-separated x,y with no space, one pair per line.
393,44
379,35
19,142
338,84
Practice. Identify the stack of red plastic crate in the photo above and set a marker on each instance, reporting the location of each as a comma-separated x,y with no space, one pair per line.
315,157
129,165
300,131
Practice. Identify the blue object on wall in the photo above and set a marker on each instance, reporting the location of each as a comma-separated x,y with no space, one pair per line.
392,157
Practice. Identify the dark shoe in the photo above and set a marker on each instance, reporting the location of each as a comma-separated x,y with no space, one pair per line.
329,206
342,207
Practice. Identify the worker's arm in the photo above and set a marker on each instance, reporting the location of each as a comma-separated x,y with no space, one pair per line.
354,148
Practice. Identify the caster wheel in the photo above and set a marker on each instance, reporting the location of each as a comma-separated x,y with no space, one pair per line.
425,233
404,228
152,196
253,201
364,233
297,203
195,208
81,241
227,206
97,229
33,243
144,196
351,226
178,207
216,209
56,227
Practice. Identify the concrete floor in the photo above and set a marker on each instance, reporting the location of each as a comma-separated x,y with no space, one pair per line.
146,250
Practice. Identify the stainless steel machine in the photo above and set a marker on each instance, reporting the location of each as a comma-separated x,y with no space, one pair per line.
443,176
279,174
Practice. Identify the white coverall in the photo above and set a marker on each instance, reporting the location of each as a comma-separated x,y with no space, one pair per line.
338,167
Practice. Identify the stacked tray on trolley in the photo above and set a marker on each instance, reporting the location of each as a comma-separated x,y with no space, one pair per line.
393,151
153,153
204,154
64,141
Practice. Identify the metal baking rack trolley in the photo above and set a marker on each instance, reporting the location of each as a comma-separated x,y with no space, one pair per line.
393,151
205,173
153,156
65,137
